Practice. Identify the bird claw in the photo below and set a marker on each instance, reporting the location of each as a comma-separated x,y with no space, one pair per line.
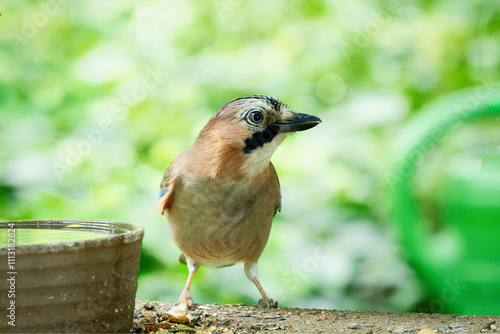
185,301
269,303
181,306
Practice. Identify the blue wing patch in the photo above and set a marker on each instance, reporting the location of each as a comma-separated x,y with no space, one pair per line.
163,191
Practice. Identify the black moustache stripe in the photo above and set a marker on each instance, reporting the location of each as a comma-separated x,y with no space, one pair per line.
258,139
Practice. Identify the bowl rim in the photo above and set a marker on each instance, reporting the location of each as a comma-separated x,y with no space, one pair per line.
127,233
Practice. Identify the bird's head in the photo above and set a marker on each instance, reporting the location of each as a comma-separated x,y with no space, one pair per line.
244,133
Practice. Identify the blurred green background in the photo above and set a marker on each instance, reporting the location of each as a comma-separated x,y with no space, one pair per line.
97,98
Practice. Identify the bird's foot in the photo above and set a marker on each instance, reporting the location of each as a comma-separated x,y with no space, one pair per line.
268,303
185,300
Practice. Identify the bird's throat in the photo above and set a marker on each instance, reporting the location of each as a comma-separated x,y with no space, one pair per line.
259,159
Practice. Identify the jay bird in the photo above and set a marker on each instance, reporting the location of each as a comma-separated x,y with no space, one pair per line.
220,195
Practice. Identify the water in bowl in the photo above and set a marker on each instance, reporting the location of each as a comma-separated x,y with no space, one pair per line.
28,236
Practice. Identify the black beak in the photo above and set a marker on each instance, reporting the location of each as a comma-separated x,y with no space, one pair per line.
300,123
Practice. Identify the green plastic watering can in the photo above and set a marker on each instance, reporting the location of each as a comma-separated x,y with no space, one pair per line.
459,259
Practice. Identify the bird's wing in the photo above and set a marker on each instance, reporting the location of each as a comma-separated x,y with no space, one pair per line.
168,186
277,188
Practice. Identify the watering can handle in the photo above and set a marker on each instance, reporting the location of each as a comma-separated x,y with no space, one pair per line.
424,132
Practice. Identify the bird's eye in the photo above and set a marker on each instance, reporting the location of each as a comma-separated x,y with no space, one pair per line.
256,117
